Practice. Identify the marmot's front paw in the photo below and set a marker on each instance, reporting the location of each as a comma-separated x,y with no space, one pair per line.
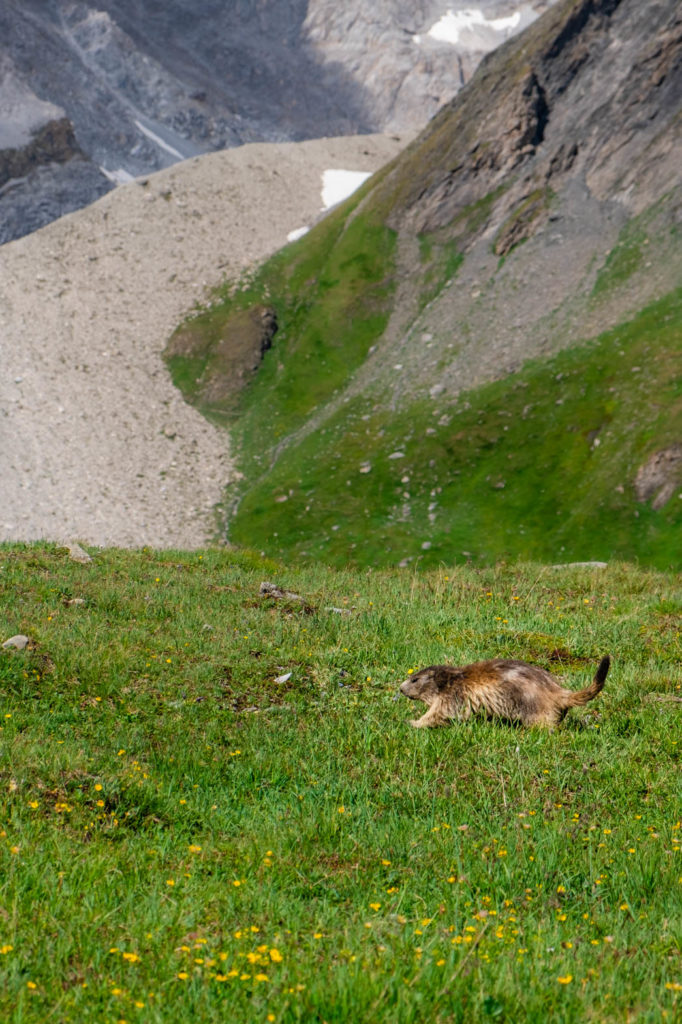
416,723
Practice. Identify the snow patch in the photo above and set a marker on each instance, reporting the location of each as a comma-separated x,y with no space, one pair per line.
159,141
337,185
297,233
118,176
453,24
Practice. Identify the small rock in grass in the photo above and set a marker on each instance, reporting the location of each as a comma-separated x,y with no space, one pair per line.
18,642
77,553
580,565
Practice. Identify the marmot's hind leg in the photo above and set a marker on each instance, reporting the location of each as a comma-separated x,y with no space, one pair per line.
545,719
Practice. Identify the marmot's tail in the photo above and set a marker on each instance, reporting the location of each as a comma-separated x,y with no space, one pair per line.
596,686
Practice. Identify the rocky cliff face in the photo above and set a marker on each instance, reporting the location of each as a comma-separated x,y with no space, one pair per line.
412,58
538,208
145,85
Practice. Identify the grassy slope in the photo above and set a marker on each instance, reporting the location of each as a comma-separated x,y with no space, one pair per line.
335,291
150,762
564,497
534,431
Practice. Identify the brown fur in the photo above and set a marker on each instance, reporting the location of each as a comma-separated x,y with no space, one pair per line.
512,690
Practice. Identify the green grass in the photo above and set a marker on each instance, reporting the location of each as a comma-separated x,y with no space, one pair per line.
441,259
539,465
653,233
149,762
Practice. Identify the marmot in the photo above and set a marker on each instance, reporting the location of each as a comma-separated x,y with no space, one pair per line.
512,690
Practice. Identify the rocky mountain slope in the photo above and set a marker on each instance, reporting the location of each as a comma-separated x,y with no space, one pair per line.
540,207
94,93
95,442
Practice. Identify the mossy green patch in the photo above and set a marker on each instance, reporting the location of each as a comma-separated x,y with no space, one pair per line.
624,259
440,262
652,235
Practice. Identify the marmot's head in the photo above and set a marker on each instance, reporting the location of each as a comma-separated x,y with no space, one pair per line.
421,686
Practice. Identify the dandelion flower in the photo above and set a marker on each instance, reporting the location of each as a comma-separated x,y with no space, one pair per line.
566,980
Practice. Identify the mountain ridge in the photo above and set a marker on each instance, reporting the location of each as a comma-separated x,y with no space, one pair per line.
146,85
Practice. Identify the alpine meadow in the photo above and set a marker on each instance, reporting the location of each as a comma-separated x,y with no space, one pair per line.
444,426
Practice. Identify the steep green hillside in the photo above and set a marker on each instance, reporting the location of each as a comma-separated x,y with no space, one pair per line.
214,809
478,355
541,464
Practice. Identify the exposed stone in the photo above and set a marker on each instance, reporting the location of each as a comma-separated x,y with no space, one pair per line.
272,590
77,553
54,142
19,642
660,476
580,565
230,360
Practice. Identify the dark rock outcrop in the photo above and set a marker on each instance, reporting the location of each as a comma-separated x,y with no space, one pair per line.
224,359
55,142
